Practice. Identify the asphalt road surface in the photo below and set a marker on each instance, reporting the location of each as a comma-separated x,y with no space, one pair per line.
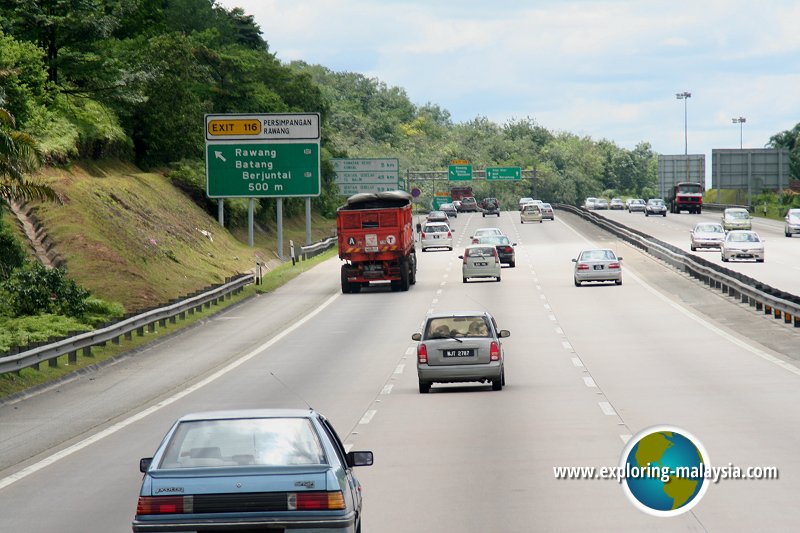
586,368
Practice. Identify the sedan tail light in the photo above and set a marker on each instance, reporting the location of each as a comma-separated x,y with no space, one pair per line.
583,266
494,352
163,505
315,501
613,265
508,249
422,354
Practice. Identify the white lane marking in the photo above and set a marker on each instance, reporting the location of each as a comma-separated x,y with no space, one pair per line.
399,368
559,331
410,350
368,416
435,301
446,275
348,448
439,291
535,280
552,317
538,287
228,318
66,452
589,382
705,323
567,346
430,310
542,297
547,306
577,362
606,408
442,284
625,437
387,389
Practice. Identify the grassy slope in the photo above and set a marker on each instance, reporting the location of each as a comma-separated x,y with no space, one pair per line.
131,237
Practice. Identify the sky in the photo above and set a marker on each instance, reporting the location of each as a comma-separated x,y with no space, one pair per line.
599,68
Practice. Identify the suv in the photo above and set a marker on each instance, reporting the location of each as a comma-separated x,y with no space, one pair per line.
490,206
468,203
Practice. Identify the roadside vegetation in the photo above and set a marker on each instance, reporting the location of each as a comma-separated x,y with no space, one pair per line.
101,107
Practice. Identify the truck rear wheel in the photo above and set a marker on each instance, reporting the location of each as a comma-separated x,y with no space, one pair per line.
345,283
405,274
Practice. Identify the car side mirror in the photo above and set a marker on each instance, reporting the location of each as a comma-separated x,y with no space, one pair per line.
416,337
574,260
461,257
513,244
619,259
144,464
360,458
504,333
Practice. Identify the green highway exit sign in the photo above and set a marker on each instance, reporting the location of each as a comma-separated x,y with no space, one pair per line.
459,172
503,173
266,155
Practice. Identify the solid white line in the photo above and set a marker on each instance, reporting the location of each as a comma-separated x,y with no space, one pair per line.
387,389
589,382
577,362
566,345
607,409
399,368
25,472
367,417
559,331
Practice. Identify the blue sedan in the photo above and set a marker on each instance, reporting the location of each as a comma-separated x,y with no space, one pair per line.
247,470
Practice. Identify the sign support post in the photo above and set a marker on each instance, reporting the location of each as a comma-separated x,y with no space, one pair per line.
279,212
250,203
308,220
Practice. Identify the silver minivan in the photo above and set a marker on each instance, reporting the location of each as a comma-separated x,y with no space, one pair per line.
436,235
457,347
480,261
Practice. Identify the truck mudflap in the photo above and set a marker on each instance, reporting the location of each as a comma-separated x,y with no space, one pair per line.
401,275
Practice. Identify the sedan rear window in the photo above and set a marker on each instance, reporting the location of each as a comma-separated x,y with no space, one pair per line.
439,228
598,255
460,326
247,441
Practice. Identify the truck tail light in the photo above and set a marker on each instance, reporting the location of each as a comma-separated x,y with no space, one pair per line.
494,352
613,265
583,266
149,505
422,354
315,501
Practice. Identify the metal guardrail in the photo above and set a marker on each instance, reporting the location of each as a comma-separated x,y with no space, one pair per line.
85,341
780,304
307,252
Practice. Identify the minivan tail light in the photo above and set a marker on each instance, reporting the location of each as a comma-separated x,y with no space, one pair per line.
496,257
494,352
423,234
422,354
449,235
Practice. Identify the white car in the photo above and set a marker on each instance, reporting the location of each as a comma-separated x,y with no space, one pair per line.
523,201
792,220
480,232
598,265
480,261
636,204
531,213
436,235
706,235
742,244
589,203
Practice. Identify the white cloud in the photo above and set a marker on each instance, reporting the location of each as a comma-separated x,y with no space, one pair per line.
607,68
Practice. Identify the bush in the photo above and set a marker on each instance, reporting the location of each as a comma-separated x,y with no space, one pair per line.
35,289
12,254
25,330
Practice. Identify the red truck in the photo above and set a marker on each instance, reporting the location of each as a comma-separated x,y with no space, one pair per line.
376,238
685,196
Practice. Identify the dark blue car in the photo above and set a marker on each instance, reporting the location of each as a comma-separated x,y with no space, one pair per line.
248,470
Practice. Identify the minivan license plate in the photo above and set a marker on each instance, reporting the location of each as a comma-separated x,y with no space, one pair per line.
480,264
462,352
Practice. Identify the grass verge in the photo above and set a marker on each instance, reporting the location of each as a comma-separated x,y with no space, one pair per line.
13,383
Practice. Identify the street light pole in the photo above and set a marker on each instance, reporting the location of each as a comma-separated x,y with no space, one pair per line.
739,121
685,95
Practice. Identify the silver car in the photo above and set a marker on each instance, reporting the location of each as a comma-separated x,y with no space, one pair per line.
601,203
742,244
706,235
599,264
436,235
736,218
636,204
655,206
480,261
459,347
547,212
480,232
792,220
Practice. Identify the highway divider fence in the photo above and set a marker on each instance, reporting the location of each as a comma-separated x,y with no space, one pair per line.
771,301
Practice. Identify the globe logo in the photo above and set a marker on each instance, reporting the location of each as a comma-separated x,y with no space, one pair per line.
664,470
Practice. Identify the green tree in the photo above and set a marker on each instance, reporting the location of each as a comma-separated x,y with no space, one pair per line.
790,140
